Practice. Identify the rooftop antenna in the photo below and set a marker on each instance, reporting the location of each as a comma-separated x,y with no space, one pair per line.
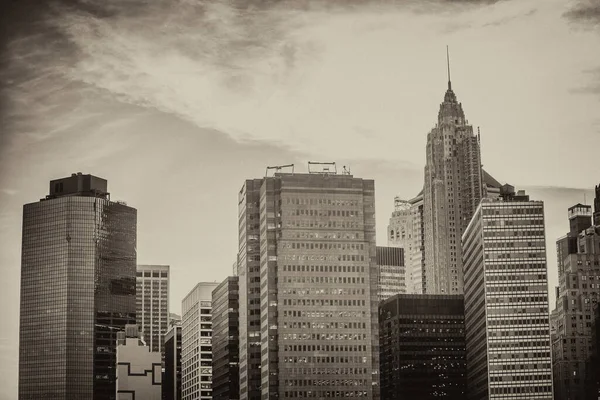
448,61
584,199
278,168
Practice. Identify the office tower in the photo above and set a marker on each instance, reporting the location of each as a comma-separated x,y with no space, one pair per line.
422,344
225,340
318,277
597,207
77,290
171,387
399,227
578,255
196,343
249,289
152,304
391,279
415,261
592,371
139,370
506,300
453,189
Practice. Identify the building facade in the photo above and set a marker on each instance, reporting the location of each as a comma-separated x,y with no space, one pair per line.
152,304
422,345
453,189
318,287
400,225
225,340
171,386
415,261
249,289
578,255
139,370
391,270
196,343
506,300
77,290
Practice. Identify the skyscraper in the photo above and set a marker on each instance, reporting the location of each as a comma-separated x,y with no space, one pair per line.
152,304
249,286
415,260
578,255
196,343
453,189
171,387
399,227
506,300
318,286
77,290
225,340
391,270
422,344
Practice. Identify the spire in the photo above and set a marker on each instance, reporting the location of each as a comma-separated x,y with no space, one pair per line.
448,61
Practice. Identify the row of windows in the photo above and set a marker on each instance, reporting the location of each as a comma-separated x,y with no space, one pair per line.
325,347
323,302
322,201
325,360
321,245
323,268
324,336
152,274
322,279
326,371
325,382
321,213
325,314
324,325
322,224
324,393
521,389
328,291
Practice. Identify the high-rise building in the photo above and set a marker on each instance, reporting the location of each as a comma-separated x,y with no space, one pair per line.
391,279
506,300
578,255
422,347
139,370
249,289
196,343
453,189
171,386
77,290
152,304
597,206
318,291
415,260
225,340
400,225
592,370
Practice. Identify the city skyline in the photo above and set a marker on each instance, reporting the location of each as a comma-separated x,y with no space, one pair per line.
533,98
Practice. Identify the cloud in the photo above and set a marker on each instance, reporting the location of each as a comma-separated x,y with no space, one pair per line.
586,12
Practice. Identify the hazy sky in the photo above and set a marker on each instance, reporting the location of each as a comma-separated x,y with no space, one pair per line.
176,102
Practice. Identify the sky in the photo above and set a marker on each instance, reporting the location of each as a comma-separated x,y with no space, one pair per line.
176,102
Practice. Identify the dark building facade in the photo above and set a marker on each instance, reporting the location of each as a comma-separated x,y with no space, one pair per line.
578,260
391,278
225,340
171,384
592,372
77,290
422,347
248,269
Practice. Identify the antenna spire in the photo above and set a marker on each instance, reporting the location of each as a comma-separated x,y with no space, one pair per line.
448,61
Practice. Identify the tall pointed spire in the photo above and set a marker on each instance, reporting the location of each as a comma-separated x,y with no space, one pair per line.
448,61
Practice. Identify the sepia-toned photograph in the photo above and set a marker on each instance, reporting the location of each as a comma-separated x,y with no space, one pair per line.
300,199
